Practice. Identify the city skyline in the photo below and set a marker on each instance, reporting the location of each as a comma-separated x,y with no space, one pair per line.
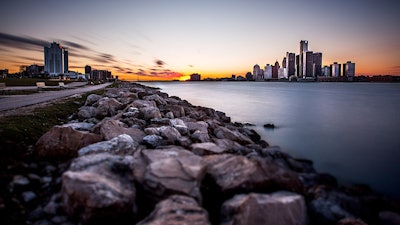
171,40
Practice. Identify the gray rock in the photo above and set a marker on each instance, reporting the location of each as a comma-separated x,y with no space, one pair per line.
206,148
19,180
284,208
170,133
201,136
131,112
28,196
173,171
99,187
86,112
199,125
82,126
111,128
177,209
156,98
107,107
143,103
234,135
153,140
121,144
149,113
238,173
179,125
91,99
325,211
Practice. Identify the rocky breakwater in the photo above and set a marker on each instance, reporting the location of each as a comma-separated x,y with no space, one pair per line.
139,156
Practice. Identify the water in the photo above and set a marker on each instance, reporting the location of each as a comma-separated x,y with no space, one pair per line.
351,130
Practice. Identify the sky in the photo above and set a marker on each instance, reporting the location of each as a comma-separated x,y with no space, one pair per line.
171,39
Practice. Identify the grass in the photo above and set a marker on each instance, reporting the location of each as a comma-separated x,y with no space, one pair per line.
19,132
29,81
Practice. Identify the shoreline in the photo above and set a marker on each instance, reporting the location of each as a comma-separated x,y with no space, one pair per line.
134,126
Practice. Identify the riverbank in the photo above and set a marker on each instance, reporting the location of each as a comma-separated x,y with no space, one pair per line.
137,155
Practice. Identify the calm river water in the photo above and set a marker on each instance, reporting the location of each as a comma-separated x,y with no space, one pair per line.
351,130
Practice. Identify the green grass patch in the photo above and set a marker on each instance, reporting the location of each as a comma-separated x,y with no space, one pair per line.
30,81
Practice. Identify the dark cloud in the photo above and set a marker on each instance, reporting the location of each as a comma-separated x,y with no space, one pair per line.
159,62
26,43
30,58
70,44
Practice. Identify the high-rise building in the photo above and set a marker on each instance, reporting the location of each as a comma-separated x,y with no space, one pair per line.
317,64
195,77
268,71
326,71
257,74
275,70
298,66
290,64
303,50
349,69
336,69
308,61
55,59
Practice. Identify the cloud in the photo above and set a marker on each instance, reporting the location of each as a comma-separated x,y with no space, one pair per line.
30,59
26,43
159,62
190,66
70,44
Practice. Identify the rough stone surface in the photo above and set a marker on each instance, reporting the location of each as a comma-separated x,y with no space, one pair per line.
107,107
177,210
173,171
284,208
225,133
121,144
389,218
111,128
91,99
206,148
64,142
99,188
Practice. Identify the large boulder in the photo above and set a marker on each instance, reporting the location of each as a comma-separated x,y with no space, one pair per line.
206,148
92,99
87,112
107,107
234,135
111,128
173,171
170,133
177,209
179,125
99,188
233,173
64,142
156,98
148,113
122,144
283,208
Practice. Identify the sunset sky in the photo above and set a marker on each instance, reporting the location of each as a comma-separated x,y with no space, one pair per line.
167,39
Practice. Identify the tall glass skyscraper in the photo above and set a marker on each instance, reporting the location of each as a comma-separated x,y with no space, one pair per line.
55,59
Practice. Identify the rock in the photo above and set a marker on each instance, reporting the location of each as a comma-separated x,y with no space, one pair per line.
324,211
156,98
237,173
177,110
86,112
199,125
143,103
52,208
36,214
170,133
121,144
160,121
153,140
224,133
351,221
107,107
179,125
185,142
284,208
148,113
173,171
269,126
177,209
206,148
99,188
28,196
389,218
91,99
20,181
82,126
201,136
64,142
131,112
111,128
229,145
252,134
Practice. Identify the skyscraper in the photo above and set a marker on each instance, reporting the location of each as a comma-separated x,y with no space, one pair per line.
349,69
55,59
317,64
336,68
275,70
303,50
257,75
308,61
268,71
290,64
